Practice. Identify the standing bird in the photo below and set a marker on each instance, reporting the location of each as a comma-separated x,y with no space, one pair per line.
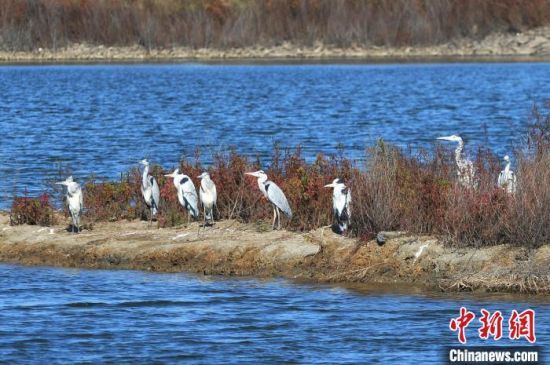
74,201
187,194
208,195
465,167
341,200
275,195
507,178
150,190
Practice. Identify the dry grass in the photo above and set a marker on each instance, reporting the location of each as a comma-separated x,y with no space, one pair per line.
28,25
395,190
28,210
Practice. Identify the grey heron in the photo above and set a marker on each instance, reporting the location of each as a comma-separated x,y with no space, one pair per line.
208,196
275,196
187,194
74,201
507,178
150,190
341,201
465,167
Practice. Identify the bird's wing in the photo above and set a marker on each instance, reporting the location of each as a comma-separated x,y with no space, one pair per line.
212,188
501,179
348,202
81,199
156,191
277,197
190,195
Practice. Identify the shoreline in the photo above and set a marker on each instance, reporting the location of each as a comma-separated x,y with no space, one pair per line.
530,46
235,249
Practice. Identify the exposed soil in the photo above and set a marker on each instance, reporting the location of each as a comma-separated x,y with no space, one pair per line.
232,248
533,45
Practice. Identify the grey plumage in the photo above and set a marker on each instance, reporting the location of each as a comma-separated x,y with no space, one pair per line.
74,201
208,196
150,190
275,196
187,194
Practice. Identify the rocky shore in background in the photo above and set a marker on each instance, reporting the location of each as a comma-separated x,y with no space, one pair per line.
234,249
533,44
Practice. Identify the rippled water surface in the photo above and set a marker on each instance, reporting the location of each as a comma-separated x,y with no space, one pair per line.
61,315
103,119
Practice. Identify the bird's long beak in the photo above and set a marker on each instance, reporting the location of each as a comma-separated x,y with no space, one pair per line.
61,183
331,185
251,174
170,175
444,138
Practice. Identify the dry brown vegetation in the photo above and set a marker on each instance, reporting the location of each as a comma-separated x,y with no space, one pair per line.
30,24
395,190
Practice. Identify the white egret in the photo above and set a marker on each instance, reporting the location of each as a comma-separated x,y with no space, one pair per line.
74,201
187,194
341,201
208,195
465,167
275,196
150,190
507,178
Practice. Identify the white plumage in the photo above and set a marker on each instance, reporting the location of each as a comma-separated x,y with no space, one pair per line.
465,167
507,179
150,190
187,194
341,204
74,201
275,196
208,196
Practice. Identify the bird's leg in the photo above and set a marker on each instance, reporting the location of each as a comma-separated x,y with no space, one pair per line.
274,218
278,218
151,217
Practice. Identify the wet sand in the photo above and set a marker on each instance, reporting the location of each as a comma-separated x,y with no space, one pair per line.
231,248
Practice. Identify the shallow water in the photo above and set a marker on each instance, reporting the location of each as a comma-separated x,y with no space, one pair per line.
68,315
102,119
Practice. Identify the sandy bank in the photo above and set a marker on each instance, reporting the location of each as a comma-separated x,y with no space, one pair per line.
232,248
530,45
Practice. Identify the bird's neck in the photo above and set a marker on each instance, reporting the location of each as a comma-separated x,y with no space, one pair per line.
177,180
261,182
507,167
145,173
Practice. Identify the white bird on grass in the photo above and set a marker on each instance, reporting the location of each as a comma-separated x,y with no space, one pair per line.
187,194
507,178
74,201
150,190
341,201
275,196
208,195
465,167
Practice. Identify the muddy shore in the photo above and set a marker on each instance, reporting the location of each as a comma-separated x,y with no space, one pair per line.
533,45
234,249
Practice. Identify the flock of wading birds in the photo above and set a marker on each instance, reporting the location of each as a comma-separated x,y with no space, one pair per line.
341,197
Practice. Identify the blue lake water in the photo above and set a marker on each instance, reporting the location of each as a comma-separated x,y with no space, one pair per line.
50,315
103,119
